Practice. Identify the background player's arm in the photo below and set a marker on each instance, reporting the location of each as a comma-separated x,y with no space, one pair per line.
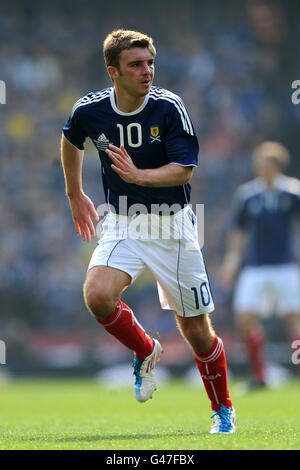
81,206
232,258
167,175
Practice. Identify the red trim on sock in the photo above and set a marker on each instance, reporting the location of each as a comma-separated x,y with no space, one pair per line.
206,357
123,325
213,370
113,317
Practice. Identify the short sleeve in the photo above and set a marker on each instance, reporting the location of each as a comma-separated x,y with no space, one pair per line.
73,130
297,204
296,190
239,213
181,142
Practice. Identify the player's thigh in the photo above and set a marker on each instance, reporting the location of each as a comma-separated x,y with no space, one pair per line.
247,322
292,324
113,266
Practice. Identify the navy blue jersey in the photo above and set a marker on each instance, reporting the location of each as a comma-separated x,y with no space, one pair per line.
158,133
267,216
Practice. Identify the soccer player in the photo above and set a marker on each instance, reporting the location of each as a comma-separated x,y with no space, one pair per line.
261,243
147,148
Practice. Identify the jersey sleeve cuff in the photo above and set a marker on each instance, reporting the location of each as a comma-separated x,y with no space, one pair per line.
72,143
181,164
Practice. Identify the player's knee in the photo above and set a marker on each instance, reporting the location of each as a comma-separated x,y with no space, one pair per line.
197,329
247,323
99,301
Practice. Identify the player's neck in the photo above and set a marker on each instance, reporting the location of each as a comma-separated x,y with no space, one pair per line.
270,179
127,103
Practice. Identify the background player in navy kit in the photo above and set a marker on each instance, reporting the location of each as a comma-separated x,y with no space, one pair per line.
148,148
261,242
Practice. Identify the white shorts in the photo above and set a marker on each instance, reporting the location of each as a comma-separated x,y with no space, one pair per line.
168,246
265,290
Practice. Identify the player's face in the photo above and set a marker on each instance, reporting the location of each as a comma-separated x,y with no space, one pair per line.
266,167
136,71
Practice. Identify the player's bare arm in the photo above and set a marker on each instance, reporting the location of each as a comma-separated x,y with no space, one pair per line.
166,175
82,208
232,259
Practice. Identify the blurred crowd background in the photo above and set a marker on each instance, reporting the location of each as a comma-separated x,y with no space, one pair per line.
233,64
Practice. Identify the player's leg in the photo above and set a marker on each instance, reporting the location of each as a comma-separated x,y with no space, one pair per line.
210,359
113,267
292,323
102,291
197,331
249,297
253,336
209,356
183,286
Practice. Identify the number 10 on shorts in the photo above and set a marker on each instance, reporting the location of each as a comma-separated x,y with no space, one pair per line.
201,293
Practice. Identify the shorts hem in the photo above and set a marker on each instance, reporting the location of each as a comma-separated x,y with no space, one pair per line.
111,266
196,313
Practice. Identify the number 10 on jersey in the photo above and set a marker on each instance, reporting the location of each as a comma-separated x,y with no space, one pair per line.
134,138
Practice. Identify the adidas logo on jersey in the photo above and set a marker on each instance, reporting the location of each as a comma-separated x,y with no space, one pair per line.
102,142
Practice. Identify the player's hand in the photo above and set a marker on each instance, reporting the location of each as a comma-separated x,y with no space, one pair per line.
83,211
122,163
226,277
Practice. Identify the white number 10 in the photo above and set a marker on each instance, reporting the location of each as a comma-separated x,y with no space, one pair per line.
129,134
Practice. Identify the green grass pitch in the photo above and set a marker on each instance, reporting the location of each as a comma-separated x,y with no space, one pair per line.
80,414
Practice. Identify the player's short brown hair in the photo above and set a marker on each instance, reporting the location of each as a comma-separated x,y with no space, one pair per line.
122,39
274,151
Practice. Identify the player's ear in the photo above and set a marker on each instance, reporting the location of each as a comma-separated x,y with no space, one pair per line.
113,72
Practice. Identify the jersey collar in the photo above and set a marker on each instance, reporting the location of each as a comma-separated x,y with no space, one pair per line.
114,106
277,183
